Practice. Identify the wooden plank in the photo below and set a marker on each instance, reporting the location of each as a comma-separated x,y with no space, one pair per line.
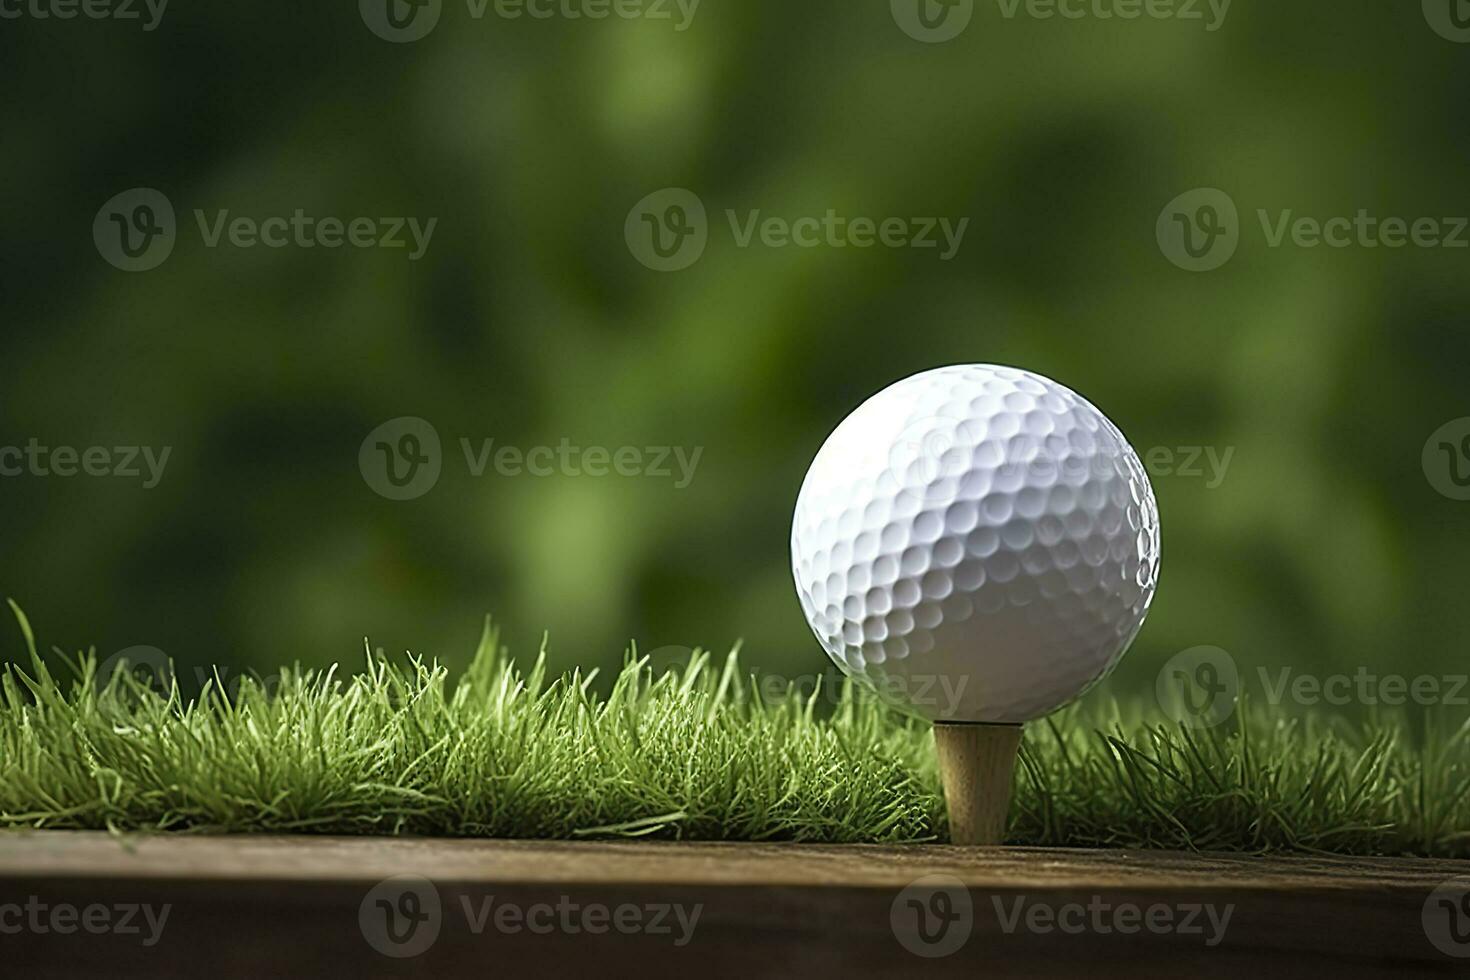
276,906
285,858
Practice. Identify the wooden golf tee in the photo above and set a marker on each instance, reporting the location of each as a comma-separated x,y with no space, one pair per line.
976,762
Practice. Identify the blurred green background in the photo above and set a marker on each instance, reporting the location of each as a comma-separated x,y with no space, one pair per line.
529,320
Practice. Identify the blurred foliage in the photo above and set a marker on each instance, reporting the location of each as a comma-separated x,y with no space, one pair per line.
529,321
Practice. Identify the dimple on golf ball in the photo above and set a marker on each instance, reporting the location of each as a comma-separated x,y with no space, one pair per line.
979,542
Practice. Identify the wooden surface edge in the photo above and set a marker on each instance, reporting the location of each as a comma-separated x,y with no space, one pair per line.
84,854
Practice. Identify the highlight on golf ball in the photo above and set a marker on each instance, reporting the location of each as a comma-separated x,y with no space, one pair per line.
978,542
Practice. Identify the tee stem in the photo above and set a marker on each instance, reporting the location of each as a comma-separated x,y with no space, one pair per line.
976,762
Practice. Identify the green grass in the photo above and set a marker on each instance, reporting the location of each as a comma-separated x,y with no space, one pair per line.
406,748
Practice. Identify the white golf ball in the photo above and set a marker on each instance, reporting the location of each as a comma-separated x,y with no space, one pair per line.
979,542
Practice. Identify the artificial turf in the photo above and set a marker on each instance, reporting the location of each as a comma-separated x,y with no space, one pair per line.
698,753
